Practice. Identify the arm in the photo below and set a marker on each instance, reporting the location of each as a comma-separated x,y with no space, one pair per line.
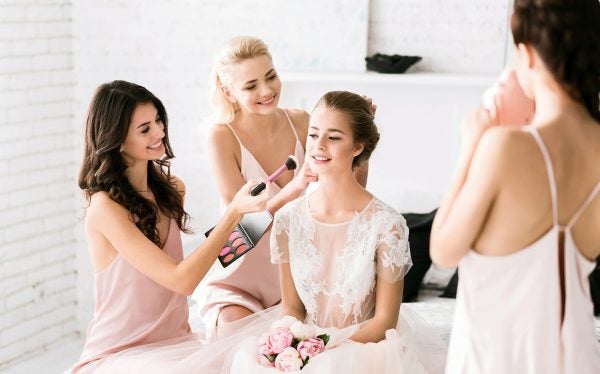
293,189
393,262
112,222
473,189
290,301
387,306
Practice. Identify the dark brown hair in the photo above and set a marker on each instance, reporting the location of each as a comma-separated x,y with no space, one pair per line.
358,111
566,35
103,167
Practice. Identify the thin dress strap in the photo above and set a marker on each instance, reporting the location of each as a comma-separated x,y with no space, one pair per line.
550,172
587,202
234,134
291,124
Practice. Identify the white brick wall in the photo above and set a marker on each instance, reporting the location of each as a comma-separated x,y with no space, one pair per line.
452,36
37,210
54,53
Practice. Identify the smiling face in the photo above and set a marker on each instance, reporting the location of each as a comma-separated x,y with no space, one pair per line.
330,144
144,139
254,85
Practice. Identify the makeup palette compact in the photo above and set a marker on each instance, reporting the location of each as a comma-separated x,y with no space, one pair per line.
245,236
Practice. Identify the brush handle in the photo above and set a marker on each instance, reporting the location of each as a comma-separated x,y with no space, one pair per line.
276,174
258,188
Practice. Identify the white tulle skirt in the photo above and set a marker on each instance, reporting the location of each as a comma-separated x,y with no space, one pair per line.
413,347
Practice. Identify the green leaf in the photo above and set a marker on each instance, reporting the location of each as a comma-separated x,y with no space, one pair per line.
324,338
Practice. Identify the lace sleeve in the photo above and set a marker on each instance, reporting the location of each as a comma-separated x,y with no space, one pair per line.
279,238
393,252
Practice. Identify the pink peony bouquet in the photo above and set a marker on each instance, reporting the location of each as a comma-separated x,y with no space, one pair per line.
289,344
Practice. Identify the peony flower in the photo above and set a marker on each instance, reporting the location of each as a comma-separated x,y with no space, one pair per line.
310,347
302,331
275,340
288,360
285,322
264,361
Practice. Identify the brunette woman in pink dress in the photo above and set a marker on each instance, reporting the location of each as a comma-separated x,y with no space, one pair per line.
522,216
133,224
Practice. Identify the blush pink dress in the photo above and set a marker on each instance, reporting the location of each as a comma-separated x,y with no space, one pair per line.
132,312
251,281
508,308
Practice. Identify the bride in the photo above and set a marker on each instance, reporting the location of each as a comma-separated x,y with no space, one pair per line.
342,254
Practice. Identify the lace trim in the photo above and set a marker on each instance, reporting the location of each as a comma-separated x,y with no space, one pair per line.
376,237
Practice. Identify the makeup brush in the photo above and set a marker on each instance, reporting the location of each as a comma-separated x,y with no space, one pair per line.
290,164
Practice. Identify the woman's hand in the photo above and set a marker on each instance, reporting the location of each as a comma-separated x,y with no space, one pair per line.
473,125
243,202
305,177
370,101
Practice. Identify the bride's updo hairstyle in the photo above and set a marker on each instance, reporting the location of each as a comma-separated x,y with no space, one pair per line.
566,35
359,112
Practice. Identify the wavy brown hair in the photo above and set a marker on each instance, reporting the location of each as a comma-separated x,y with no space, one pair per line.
358,111
103,167
566,35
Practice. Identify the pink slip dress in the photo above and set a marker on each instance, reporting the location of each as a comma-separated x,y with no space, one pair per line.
508,308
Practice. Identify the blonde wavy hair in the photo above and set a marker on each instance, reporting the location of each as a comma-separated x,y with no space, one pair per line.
235,51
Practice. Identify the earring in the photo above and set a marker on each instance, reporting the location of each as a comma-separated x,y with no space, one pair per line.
121,149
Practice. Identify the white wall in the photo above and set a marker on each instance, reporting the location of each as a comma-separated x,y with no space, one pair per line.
37,211
452,36
417,117
53,53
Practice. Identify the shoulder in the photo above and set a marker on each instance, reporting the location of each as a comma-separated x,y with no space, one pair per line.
298,115
502,146
222,136
299,119
102,207
178,183
292,208
387,223
382,208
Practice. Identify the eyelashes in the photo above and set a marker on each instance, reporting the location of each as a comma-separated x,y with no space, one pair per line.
235,246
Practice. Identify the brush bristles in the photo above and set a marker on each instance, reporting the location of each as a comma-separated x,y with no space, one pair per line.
291,163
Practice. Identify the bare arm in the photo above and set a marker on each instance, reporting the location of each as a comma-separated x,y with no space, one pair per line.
387,307
475,184
293,189
290,301
112,221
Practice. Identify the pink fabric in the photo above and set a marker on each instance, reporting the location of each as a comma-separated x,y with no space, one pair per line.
132,310
251,281
508,308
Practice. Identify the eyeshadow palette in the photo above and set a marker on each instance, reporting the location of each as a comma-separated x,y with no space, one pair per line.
245,236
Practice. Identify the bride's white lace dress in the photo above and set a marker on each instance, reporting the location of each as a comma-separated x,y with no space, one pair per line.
335,268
